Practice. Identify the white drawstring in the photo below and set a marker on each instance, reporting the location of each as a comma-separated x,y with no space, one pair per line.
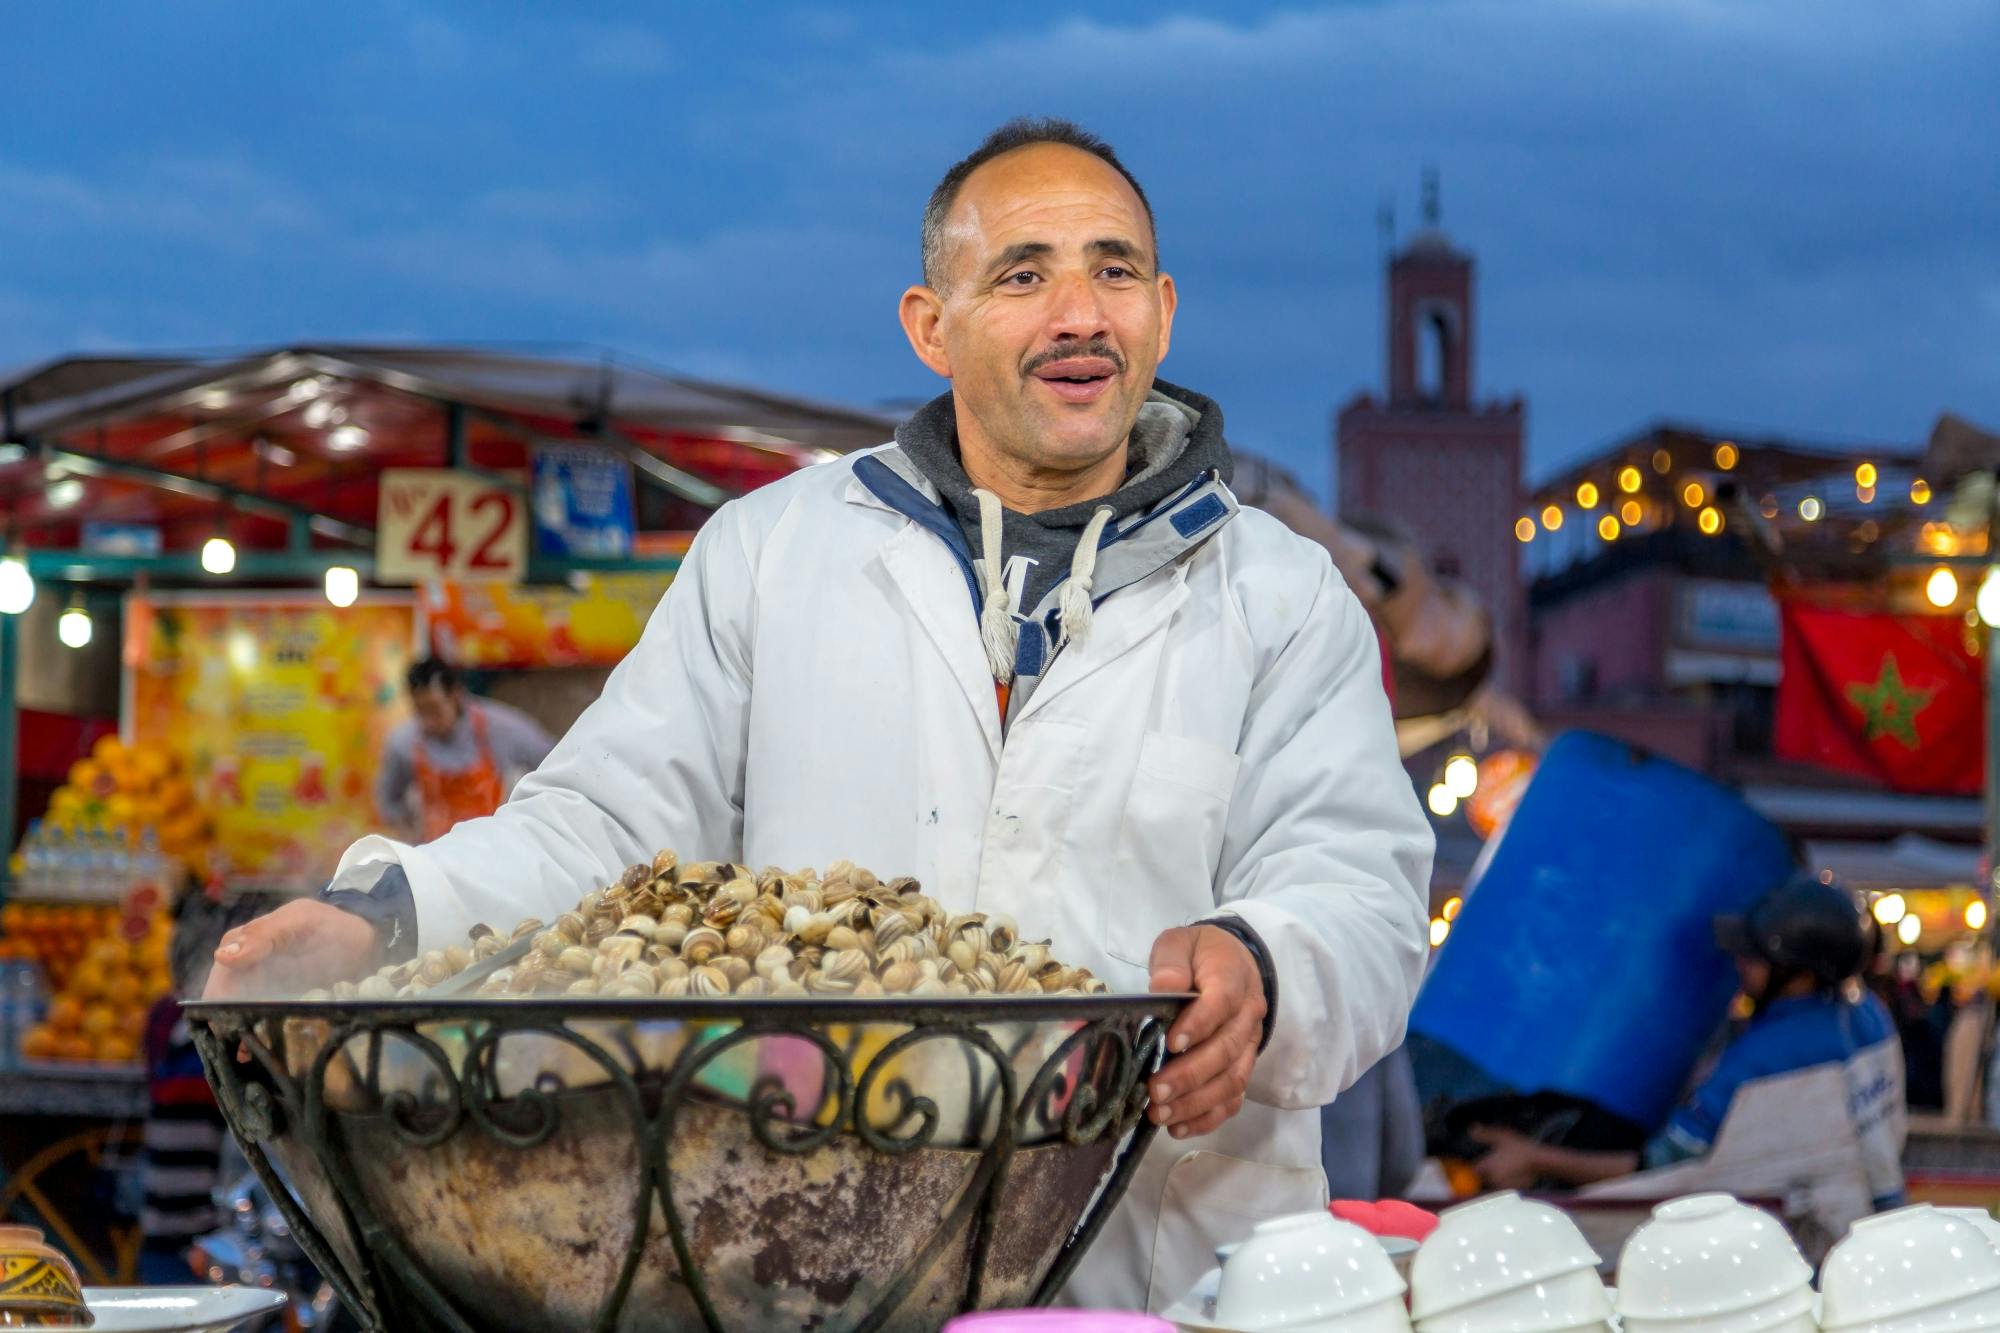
1074,604
997,629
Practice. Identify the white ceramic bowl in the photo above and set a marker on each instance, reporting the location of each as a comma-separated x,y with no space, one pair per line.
1913,1269
1789,1313
1907,1271
1982,1222
1566,1301
1707,1255
1311,1271
1491,1246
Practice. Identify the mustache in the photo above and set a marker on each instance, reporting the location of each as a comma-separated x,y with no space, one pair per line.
1096,347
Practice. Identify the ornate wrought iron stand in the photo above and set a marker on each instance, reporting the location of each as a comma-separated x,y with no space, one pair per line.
856,1164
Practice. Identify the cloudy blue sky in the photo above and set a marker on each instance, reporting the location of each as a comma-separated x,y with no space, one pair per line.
1758,214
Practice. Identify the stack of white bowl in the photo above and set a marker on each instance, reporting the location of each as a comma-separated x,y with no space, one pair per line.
1916,1270
1310,1273
1504,1264
1709,1264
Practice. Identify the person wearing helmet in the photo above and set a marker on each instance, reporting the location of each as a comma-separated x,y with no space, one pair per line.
1798,953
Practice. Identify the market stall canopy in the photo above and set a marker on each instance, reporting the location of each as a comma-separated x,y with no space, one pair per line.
292,439
1908,862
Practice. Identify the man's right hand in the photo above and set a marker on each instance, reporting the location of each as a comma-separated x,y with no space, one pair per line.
300,946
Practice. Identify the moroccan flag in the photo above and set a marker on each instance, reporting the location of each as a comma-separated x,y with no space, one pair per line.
1899,699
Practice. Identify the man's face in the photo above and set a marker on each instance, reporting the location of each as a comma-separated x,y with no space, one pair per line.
1053,316
1753,973
438,710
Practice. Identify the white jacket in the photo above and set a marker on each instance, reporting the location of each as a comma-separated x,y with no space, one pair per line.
814,687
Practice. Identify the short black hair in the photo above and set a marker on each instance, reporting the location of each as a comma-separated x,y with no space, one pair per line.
433,672
1021,132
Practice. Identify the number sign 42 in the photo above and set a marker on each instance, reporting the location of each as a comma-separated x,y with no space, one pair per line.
436,524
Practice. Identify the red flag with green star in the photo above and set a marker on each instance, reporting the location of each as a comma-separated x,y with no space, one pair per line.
1895,698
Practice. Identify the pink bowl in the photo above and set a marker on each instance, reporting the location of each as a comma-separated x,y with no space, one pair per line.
1057,1321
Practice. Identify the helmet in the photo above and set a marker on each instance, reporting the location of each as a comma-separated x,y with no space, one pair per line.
1802,926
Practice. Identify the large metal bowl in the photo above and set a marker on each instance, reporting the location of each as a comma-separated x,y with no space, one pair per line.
686,1164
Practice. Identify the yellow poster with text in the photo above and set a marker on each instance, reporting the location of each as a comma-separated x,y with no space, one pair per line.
278,707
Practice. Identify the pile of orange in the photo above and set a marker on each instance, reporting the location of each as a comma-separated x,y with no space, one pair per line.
54,935
131,789
99,1010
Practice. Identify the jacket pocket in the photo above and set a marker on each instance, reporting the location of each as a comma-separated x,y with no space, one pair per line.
1214,1199
1170,839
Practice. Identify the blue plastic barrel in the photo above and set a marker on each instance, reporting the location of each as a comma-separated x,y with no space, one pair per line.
1584,960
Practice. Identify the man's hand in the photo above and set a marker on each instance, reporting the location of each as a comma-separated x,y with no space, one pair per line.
296,948
1513,1161
1214,1041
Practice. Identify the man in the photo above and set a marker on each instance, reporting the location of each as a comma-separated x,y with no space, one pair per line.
456,759
1798,952
1033,655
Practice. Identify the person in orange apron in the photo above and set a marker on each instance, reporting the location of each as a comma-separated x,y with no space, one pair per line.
456,759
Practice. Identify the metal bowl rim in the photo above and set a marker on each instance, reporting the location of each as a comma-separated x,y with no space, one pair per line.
881,1009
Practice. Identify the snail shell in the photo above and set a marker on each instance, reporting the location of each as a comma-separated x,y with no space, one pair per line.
773,958
1004,932
673,988
680,914
582,986
891,925
550,944
346,990
665,863
670,934
751,988
1092,986
374,988
637,924
571,927
434,968
635,878
480,930
903,886
868,988
901,978
930,988
702,943
788,990
485,947
736,969
821,984
909,949
845,964
708,981
964,954
671,967
1013,978
842,939
576,960
459,957
600,929
632,987
528,927
816,928
744,940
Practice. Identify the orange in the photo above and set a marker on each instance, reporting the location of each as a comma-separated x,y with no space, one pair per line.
88,981
72,1048
40,1043
64,1013
117,1049
108,749
125,990
99,1019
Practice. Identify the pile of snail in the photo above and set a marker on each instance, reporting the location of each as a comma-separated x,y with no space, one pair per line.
710,928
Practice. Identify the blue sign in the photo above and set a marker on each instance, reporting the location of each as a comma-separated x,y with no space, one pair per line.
121,539
582,501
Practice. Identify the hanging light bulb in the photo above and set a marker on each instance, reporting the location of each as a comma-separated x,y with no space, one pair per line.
1941,588
1891,908
1441,801
73,626
17,586
218,555
1988,598
1440,932
1909,929
1586,495
1524,529
1629,479
343,585
1975,915
1461,775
